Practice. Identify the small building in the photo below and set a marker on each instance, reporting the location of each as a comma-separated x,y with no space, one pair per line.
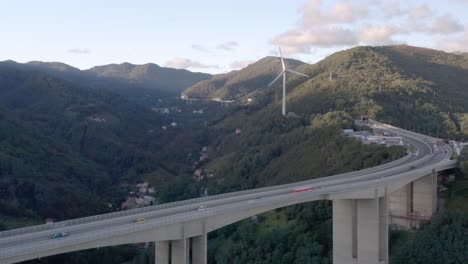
142,187
238,131
173,124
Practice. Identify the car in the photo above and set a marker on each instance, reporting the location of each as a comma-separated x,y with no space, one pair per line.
303,189
140,220
59,235
202,208
412,167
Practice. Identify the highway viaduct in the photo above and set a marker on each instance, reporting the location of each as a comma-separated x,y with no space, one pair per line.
362,202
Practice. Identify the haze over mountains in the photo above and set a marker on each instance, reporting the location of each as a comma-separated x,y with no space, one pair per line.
117,77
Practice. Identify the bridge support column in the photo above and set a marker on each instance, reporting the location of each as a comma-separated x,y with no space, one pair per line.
180,251
360,231
344,231
425,196
161,252
414,202
372,235
199,249
400,206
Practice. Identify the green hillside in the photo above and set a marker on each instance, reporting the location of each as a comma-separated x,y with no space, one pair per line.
416,88
241,84
68,152
149,76
60,137
127,79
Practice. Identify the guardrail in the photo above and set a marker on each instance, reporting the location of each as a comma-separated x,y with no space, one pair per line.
132,228
184,217
82,220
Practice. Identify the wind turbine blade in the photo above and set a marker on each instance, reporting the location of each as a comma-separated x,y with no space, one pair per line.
277,77
297,73
282,60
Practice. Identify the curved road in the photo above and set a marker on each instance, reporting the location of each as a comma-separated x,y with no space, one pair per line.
426,155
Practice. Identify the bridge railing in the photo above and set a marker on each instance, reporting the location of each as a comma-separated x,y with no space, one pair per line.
185,217
133,228
82,220
66,223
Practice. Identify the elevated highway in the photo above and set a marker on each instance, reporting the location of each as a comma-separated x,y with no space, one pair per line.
360,209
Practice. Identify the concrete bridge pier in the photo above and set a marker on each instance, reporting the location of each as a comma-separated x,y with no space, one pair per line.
414,202
199,249
179,252
360,231
161,252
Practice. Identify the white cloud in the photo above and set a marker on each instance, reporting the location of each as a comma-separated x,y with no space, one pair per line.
420,12
240,64
79,51
446,24
300,41
368,22
227,45
393,9
341,12
199,48
347,12
184,63
378,34
454,44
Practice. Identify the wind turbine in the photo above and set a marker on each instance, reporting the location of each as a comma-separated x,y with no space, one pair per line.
283,73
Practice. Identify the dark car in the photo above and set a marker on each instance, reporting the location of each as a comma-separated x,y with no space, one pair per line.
59,235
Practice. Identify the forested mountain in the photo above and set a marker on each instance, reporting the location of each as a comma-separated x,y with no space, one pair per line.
238,85
59,134
416,88
412,87
150,76
67,151
125,78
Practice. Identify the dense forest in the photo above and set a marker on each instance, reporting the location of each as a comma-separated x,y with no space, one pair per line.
68,150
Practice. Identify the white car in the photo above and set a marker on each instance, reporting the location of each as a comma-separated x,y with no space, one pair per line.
202,208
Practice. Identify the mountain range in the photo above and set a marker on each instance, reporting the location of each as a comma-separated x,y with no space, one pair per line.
74,142
124,78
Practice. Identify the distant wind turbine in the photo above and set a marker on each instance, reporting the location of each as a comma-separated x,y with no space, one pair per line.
283,73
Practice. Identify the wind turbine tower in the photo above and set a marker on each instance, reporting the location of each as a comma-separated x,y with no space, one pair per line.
283,73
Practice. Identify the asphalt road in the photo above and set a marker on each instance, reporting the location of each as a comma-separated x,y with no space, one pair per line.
425,155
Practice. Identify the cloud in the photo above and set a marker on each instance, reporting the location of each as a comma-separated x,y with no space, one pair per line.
446,24
227,45
420,12
239,64
454,44
341,12
378,34
184,63
79,51
300,41
367,22
199,48
393,9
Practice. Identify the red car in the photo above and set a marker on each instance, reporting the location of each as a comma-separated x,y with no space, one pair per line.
303,189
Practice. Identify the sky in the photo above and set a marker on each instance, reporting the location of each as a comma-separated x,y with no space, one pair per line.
216,36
